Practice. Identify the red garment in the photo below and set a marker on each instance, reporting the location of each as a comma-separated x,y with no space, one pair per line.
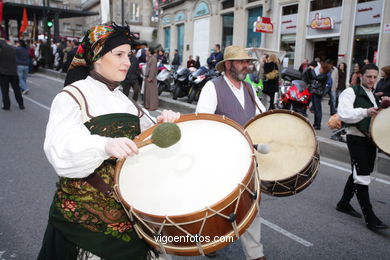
24,25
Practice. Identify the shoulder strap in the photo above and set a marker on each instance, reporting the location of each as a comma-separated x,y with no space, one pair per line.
251,95
80,99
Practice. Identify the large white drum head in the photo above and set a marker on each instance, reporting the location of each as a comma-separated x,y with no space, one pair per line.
206,165
380,130
291,141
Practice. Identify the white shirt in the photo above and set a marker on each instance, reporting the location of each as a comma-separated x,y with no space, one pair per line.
208,97
69,146
348,113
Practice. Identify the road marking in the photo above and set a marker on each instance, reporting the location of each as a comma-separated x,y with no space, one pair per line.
51,78
349,171
36,102
286,233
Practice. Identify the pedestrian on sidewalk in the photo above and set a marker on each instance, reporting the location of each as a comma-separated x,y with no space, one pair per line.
22,61
383,87
9,75
150,90
131,80
317,89
271,79
91,124
342,68
229,95
356,108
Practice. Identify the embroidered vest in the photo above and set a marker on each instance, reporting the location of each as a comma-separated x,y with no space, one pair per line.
228,104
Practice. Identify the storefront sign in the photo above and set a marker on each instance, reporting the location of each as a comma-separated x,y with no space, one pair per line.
324,23
369,12
263,24
321,23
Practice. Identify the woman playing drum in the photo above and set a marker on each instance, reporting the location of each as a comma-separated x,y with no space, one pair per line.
91,124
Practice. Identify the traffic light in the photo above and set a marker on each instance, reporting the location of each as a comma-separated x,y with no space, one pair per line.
49,23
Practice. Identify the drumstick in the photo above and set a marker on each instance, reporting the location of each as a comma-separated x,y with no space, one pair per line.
262,148
164,135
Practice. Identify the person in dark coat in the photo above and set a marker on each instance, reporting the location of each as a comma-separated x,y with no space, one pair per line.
342,68
215,57
131,80
71,54
22,62
383,87
176,60
271,83
9,75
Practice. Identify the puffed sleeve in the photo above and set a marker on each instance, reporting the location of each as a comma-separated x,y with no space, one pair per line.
346,111
69,146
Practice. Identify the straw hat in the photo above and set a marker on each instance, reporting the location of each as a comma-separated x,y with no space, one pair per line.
233,53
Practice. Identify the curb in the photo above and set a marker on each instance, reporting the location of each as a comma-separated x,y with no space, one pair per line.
328,148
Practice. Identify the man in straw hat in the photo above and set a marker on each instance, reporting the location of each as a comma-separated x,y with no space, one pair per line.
230,96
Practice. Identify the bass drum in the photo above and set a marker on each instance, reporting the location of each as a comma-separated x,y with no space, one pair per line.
196,196
380,130
293,158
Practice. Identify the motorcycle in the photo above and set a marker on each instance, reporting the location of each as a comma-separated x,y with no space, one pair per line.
294,92
197,80
181,86
164,79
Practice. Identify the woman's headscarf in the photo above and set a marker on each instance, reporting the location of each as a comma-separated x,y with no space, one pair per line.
98,40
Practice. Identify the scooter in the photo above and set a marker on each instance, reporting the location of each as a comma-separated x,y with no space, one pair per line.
294,92
181,86
164,79
197,80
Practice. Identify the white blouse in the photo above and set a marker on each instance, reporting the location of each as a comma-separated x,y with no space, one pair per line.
69,146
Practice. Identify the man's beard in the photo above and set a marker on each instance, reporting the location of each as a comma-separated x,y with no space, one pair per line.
236,75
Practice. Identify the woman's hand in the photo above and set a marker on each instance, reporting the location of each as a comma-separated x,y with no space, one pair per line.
168,116
120,147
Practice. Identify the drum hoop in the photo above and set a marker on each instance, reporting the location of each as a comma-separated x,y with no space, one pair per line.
370,131
283,111
219,204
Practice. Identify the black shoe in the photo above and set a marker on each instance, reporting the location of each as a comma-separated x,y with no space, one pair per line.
21,107
317,127
377,226
5,108
348,210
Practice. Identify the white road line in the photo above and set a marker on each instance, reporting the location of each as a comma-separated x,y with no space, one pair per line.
36,102
349,170
286,233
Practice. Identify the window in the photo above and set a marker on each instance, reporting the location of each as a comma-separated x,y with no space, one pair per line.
290,9
79,28
227,4
253,38
324,4
251,1
134,12
363,1
167,38
227,30
66,27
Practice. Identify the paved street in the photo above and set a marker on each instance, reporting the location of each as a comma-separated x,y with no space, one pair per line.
304,226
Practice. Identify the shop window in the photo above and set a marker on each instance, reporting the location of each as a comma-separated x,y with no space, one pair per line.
290,9
227,30
251,1
288,45
365,43
324,4
227,4
253,38
363,1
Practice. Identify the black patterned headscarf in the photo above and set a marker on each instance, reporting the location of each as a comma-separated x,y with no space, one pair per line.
98,40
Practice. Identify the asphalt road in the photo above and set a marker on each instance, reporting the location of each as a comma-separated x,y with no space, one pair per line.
303,226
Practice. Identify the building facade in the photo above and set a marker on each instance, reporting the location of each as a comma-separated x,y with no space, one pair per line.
342,30
137,13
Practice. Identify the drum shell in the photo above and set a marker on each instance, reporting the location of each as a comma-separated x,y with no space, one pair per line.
380,142
215,225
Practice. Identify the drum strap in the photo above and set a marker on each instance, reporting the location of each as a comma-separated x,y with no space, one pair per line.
252,97
97,182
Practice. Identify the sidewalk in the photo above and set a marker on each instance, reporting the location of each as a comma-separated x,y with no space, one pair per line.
331,149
